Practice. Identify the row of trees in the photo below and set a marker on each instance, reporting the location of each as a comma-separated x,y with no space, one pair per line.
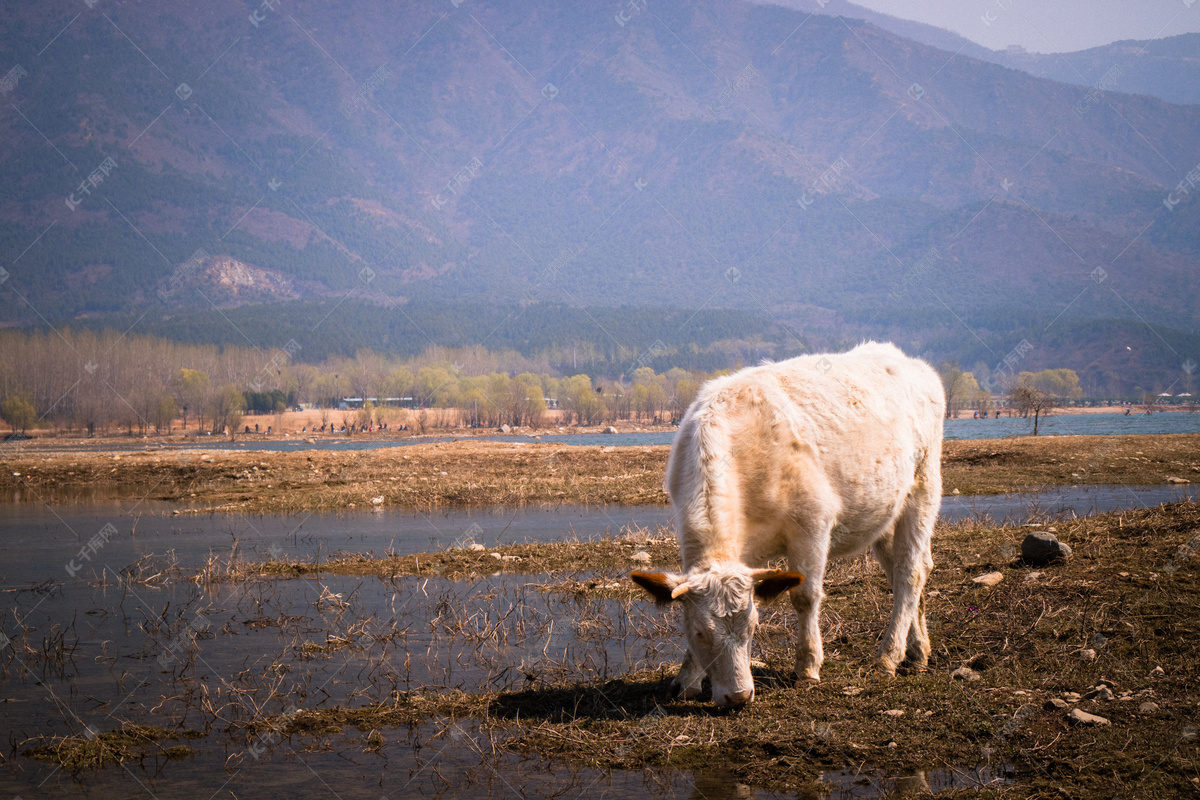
79,380
963,391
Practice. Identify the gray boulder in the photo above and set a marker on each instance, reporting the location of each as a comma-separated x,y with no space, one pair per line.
1041,548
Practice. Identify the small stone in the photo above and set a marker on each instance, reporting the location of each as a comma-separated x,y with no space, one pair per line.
1158,672
511,558
610,429
892,745
1099,640
956,491
496,556
893,712
965,674
641,557
1072,697
1033,576
1087,654
476,547
1041,548
1102,693
852,691
1080,717
376,501
1173,479
989,579
1148,707
1055,704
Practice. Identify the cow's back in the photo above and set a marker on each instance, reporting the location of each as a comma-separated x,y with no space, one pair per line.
849,434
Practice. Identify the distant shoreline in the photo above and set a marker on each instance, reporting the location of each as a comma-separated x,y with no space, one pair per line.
302,425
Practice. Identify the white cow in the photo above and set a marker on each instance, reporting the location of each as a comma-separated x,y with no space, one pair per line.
813,458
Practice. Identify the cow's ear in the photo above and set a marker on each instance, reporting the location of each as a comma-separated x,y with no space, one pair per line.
770,583
662,586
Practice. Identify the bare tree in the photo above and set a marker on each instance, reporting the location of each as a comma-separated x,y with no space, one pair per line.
1028,400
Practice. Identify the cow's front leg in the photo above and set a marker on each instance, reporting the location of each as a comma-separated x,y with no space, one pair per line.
810,655
688,681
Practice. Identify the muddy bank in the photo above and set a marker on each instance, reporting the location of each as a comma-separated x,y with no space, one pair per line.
1111,632
480,474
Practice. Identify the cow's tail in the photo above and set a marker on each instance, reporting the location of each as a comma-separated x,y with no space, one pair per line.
718,487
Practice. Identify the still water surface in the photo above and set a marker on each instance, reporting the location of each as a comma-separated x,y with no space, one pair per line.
992,428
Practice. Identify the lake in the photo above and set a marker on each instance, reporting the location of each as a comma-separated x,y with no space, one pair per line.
1002,428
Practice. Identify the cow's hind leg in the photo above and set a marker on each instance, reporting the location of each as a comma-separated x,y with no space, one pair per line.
917,650
911,561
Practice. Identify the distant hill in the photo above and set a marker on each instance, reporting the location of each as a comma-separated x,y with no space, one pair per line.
1167,68
824,174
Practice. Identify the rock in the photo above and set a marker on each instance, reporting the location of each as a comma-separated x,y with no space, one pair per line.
1055,704
1080,717
1173,479
1098,641
1087,654
1033,576
1148,707
1101,692
504,428
496,556
1041,548
1071,697
1158,672
893,712
641,557
610,429
376,501
511,558
965,674
988,579
956,491
476,547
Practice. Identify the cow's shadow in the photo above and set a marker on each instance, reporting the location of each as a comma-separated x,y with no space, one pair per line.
614,699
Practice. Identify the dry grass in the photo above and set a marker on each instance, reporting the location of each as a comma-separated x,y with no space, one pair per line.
480,474
127,743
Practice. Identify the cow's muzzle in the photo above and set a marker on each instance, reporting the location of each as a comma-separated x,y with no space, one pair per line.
734,699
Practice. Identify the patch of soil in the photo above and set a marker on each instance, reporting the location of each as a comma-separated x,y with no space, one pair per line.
480,474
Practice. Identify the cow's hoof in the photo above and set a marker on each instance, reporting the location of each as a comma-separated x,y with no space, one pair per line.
807,681
885,666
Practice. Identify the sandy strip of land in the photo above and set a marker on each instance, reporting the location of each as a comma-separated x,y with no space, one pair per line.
475,473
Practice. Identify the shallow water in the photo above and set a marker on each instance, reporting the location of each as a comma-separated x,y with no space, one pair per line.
992,428
83,652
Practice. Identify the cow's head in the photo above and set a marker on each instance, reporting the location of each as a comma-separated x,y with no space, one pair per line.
719,619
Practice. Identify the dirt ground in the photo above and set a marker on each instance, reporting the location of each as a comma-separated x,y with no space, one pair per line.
1112,632
470,473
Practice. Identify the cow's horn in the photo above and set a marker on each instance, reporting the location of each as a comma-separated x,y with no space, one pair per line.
680,590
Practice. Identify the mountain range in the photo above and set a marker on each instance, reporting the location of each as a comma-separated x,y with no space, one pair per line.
837,174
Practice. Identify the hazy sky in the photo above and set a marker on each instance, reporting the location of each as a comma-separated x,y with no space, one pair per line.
1049,26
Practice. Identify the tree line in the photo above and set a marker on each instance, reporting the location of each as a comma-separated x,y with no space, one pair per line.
102,382
99,382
